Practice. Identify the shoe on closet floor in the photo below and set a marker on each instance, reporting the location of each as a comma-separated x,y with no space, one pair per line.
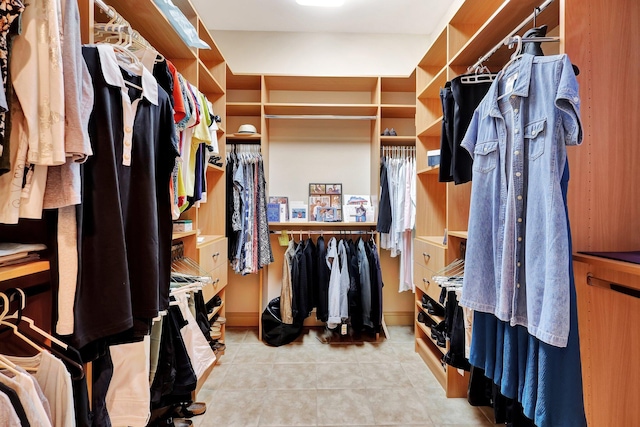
191,410
385,133
392,132
219,320
215,334
179,422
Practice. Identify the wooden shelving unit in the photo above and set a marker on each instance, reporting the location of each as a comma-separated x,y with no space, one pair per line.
21,270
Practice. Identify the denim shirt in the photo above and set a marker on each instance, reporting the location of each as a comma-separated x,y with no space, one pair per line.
517,259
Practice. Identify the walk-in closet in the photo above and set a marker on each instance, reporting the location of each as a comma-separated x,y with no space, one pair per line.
315,213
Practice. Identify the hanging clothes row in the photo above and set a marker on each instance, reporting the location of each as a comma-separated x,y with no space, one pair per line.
247,226
340,278
397,216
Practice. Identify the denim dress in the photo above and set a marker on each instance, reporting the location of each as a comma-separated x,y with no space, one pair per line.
518,271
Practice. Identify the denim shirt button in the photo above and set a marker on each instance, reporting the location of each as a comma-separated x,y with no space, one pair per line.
519,239
518,285
517,131
519,197
519,219
518,174
517,152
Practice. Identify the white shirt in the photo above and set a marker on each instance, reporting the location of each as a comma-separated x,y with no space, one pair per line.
8,416
55,382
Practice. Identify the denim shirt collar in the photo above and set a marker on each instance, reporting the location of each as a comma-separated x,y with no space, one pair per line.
521,87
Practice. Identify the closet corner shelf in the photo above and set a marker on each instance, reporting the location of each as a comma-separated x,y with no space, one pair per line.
208,239
206,82
433,316
460,234
21,270
432,89
611,264
397,140
429,170
183,234
433,129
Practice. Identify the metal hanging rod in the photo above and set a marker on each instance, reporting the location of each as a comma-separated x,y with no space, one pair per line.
504,41
317,117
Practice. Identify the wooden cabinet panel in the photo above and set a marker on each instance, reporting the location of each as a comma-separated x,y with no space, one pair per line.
213,255
422,280
430,256
219,276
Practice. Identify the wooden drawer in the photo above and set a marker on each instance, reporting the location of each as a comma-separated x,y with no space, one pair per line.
213,255
422,280
428,255
219,276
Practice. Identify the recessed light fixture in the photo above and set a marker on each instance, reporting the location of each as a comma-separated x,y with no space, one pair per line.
321,3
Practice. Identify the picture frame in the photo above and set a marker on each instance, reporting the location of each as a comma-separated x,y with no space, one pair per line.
317,189
298,213
325,202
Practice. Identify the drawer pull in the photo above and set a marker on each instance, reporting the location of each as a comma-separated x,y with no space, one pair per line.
217,254
424,279
426,255
215,282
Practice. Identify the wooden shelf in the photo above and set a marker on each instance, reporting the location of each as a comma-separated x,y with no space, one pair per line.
431,359
429,170
247,137
397,111
214,54
611,264
215,168
437,52
321,109
334,84
183,234
145,17
497,27
322,225
243,108
398,140
460,234
427,332
206,82
215,311
432,89
433,129
435,318
21,270
206,240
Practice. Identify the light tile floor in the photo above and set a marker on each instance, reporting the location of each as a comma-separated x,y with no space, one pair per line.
308,383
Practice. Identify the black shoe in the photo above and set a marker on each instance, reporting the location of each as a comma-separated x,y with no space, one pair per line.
392,132
437,330
425,300
422,318
386,132
435,309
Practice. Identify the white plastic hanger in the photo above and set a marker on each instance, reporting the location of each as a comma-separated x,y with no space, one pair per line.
16,332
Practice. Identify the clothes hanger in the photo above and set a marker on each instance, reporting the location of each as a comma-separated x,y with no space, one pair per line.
17,292
8,365
16,332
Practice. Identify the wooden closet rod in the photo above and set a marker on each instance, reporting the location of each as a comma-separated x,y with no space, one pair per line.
318,117
497,47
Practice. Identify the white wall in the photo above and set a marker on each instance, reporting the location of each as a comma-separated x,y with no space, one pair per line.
321,54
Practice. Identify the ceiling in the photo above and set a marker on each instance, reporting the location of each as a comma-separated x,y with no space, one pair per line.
356,16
